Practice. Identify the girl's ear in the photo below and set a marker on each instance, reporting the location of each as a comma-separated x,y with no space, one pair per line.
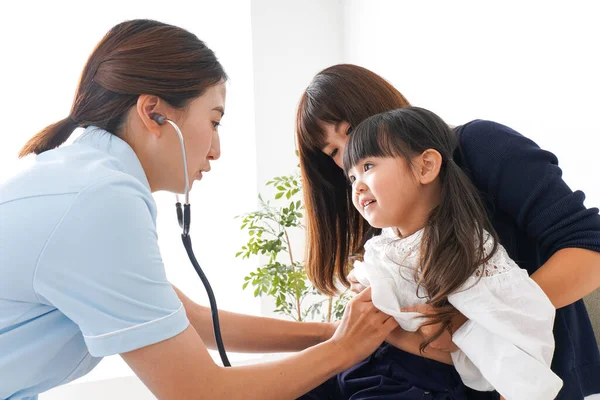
428,166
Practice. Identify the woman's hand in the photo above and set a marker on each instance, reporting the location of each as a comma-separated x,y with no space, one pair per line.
444,342
355,285
362,329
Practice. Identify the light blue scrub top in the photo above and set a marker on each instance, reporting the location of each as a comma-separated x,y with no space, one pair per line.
81,275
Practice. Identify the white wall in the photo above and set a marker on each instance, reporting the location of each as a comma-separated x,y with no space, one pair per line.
43,52
531,65
292,41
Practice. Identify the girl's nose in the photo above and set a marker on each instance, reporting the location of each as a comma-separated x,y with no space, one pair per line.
359,185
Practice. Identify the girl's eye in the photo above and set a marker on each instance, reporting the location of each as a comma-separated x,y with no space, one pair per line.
349,130
216,124
367,166
351,178
333,153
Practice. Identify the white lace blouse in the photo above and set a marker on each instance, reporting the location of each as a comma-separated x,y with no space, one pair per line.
507,344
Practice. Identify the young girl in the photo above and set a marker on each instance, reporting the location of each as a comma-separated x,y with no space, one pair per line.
438,247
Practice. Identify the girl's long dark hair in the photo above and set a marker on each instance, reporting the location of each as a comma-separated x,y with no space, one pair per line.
456,232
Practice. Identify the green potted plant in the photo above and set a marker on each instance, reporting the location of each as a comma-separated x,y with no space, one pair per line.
283,277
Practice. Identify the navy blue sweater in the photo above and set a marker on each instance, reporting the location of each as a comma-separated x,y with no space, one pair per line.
535,215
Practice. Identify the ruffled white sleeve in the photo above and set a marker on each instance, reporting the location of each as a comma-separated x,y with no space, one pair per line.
508,341
388,268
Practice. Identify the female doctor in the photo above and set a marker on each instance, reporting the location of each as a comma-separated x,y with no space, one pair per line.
81,276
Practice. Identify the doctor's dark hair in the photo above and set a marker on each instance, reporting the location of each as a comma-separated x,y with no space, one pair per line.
340,93
453,247
135,57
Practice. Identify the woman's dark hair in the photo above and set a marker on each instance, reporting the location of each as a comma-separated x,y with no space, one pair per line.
135,57
452,248
335,229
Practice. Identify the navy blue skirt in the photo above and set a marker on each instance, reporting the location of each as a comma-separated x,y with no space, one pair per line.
390,373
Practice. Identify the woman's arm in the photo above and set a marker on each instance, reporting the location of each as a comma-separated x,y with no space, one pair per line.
247,333
569,275
181,368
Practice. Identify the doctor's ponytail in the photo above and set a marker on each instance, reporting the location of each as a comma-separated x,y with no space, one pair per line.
135,57
50,137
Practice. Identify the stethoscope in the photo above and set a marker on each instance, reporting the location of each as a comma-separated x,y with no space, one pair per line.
184,219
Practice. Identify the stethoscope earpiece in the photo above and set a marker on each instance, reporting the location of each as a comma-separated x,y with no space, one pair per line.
158,118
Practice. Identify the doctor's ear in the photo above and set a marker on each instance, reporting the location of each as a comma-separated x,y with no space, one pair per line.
150,109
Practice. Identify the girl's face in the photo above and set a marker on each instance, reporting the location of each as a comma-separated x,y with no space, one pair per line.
384,191
391,192
336,136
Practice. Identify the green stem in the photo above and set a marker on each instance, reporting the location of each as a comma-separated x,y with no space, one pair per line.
287,241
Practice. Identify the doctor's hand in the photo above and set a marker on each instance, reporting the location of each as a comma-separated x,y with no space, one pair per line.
328,329
355,285
362,329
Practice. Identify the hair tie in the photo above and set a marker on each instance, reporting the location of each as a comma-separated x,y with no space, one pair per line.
71,121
